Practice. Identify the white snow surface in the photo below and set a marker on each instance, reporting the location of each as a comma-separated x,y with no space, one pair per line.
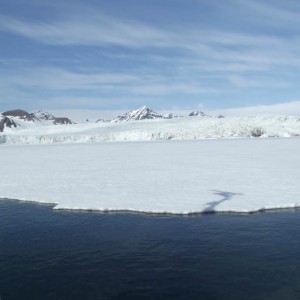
181,177
186,128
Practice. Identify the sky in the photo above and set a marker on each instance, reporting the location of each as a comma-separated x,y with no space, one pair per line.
166,54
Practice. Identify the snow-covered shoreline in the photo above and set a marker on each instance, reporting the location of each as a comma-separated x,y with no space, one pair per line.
184,177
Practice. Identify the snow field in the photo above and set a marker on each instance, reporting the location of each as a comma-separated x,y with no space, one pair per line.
180,177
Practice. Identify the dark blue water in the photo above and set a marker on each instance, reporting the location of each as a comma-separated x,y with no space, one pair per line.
45,254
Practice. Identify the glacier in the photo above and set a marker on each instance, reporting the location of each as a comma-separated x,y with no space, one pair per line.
183,128
177,177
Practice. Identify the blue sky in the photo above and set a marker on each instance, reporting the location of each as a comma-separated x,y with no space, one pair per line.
166,54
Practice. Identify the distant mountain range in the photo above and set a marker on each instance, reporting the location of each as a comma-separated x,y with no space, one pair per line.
145,113
17,118
45,116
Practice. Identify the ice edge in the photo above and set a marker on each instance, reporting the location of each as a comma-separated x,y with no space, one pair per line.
57,207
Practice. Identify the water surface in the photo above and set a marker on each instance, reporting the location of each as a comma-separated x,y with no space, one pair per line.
46,254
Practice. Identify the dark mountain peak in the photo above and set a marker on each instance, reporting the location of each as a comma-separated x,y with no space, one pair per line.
6,122
171,116
198,113
102,121
19,113
62,121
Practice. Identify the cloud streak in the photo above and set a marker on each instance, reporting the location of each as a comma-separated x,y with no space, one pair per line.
97,29
251,50
131,57
56,79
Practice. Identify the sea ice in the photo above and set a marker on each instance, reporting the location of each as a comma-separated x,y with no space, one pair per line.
235,175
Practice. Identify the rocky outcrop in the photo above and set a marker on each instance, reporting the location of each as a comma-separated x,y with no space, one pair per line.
171,116
20,114
198,113
6,122
62,121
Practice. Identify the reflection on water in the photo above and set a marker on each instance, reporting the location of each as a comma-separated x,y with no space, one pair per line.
46,254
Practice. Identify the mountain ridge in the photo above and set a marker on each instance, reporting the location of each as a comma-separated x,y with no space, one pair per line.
18,117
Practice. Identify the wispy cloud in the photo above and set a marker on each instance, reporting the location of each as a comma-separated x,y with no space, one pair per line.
97,29
210,44
275,13
139,58
245,82
56,79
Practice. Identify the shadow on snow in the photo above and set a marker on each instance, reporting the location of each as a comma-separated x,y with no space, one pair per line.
226,196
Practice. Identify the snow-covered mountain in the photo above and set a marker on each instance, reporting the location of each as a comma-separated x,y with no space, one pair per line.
21,118
43,115
198,113
143,113
171,116
20,114
6,122
14,119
